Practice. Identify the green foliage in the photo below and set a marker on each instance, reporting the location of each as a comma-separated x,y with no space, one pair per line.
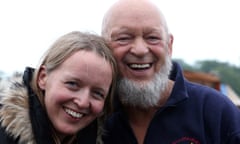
228,74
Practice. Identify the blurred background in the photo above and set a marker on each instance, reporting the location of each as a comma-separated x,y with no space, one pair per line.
206,33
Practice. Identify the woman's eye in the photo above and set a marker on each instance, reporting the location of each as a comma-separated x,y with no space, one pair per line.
98,95
72,85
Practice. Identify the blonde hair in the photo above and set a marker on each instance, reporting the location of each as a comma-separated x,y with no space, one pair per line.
67,45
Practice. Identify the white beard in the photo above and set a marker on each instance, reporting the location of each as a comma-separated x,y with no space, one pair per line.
145,94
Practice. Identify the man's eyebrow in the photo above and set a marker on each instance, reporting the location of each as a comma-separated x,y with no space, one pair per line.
116,33
154,29
120,30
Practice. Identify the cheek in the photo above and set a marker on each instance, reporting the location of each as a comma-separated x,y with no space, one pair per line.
55,96
119,51
97,107
118,54
159,51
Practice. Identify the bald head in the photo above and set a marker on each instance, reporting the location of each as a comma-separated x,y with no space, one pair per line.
131,11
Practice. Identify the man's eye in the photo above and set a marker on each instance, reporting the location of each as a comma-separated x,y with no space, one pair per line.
153,39
123,40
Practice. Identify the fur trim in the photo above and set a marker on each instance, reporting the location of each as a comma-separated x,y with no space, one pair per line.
14,113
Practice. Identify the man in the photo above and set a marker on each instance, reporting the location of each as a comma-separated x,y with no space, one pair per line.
157,105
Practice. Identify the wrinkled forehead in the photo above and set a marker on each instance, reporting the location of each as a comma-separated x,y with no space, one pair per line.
131,13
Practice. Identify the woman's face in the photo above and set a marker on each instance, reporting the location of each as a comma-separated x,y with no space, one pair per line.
75,92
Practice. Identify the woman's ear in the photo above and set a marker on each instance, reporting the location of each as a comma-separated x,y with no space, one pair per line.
42,77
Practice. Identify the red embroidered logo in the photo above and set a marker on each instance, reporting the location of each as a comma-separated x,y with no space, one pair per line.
183,140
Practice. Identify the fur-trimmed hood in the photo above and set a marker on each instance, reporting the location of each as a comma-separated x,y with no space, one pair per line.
23,117
14,113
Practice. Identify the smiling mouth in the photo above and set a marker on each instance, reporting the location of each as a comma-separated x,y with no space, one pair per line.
135,66
73,114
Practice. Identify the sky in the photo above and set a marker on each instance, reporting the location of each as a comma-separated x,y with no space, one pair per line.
202,29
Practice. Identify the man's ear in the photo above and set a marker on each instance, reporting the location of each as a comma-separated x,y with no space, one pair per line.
170,44
42,77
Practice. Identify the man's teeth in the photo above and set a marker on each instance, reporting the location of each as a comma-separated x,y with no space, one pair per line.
139,66
73,113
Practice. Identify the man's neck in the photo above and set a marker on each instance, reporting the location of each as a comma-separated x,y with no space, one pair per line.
140,119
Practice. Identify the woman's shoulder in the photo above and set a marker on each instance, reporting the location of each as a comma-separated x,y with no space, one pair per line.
6,138
14,110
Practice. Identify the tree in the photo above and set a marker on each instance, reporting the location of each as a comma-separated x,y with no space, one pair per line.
228,74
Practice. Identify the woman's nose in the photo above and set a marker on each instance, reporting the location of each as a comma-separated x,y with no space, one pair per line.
83,99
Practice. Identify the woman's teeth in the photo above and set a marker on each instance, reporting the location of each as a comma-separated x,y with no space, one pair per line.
73,113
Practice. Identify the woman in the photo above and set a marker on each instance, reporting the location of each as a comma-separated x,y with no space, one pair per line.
60,100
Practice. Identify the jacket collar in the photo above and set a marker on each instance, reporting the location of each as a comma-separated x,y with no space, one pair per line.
179,92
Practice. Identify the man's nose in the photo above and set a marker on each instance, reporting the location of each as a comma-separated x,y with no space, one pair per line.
140,47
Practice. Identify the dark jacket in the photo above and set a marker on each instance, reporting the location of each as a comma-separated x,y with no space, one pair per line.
23,120
193,114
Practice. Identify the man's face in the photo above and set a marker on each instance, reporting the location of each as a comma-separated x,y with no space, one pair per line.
139,43
143,50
